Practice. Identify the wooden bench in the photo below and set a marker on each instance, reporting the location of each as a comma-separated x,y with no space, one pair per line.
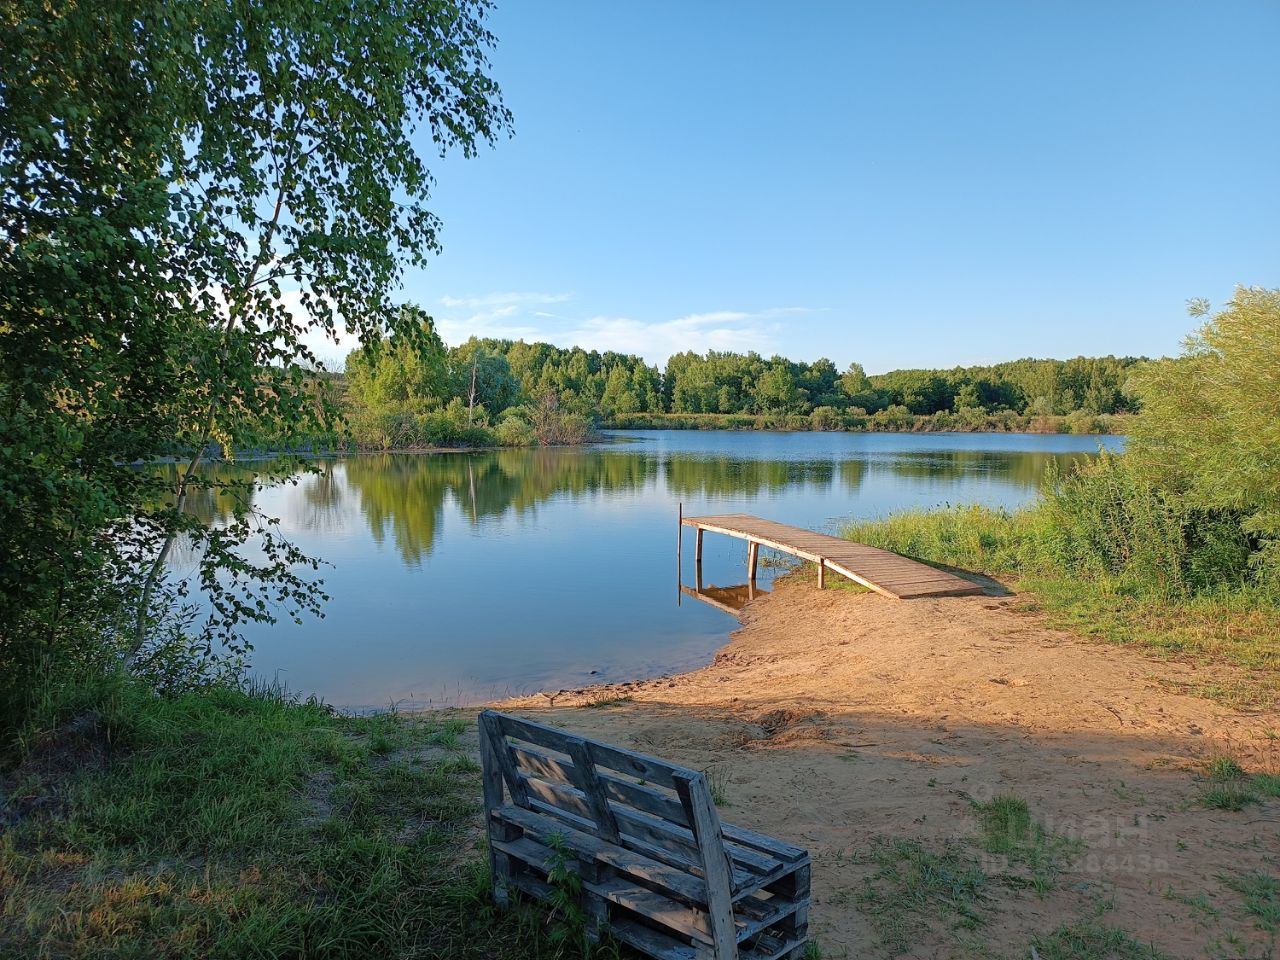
657,867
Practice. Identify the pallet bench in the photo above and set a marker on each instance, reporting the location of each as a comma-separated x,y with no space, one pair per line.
657,867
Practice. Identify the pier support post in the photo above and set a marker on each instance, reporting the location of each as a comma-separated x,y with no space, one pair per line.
753,556
697,546
822,573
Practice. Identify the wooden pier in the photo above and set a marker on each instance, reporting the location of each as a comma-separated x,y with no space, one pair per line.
880,570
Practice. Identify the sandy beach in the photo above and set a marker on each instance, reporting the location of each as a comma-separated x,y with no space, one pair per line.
846,722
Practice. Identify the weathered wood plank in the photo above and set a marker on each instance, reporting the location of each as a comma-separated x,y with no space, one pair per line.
653,943
587,781
654,850
543,765
491,786
615,758
752,914
491,724
655,831
716,868
661,846
880,570
543,828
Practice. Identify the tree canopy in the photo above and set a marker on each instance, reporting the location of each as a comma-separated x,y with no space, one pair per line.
186,190
1211,424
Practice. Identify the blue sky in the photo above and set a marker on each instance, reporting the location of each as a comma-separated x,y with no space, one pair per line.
898,183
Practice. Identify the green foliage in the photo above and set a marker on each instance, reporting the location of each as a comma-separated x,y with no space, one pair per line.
1008,830
1110,519
1228,787
725,390
1089,940
233,823
419,394
1260,893
1212,429
1223,767
977,538
855,419
912,882
722,382
401,376
187,192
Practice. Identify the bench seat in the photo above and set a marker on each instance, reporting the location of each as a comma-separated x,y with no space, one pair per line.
656,867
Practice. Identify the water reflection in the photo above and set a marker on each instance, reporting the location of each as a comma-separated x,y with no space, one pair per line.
403,497
729,599
465,576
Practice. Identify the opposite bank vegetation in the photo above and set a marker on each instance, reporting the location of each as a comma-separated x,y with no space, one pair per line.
410,393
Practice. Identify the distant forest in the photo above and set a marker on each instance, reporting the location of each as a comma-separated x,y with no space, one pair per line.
516,393
720,382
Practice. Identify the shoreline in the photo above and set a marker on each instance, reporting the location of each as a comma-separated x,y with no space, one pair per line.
845,721
602,441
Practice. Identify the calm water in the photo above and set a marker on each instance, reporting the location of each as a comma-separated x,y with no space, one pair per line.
457,577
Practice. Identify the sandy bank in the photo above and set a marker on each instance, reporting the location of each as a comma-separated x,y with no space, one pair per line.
842,720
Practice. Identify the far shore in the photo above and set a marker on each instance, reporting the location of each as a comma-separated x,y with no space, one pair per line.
844,721
258,456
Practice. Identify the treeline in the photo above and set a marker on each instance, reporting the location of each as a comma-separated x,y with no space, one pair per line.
415,391
512,393
749,384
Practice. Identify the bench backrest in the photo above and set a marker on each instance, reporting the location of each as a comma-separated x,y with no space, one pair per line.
652,807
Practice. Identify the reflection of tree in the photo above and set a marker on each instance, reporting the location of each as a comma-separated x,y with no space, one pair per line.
695,477
852,473
322,496
221,490
1022,469
403,496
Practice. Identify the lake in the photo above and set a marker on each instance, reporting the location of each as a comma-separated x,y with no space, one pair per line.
460,577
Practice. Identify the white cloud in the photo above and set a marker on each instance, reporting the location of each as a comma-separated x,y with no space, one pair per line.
519,316
492,300
498,315
656,341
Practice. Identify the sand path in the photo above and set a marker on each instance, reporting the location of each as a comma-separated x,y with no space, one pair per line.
841,720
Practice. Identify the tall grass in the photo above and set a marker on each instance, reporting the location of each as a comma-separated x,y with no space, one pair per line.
1109,554
233,823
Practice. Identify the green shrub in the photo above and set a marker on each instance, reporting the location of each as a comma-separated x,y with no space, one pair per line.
1109,519
514,431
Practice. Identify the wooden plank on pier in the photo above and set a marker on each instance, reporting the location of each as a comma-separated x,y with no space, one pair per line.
880,570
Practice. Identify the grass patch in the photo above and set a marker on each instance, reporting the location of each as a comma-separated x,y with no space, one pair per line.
1223,767
1260,894
607,702
915,887
1089,940
1226,786
913,884
1009,831
229,824
718,785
